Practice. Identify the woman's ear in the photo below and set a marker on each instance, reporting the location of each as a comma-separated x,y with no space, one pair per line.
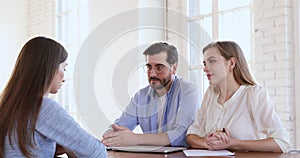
232,62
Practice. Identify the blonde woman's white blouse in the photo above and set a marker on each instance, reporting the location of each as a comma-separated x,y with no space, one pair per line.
248,115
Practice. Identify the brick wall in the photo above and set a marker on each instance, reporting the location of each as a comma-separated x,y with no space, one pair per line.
41,18
273,60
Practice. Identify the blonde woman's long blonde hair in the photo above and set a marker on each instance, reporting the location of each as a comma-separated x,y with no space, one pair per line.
229,49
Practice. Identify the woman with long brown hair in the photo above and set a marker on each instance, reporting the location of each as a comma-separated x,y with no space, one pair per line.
31,124
236,113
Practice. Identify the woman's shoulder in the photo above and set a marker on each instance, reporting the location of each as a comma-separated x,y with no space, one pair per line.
256,91
50,112
50,105
49,101
254,88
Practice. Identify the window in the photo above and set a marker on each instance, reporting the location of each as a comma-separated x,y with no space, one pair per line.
217,20
71,26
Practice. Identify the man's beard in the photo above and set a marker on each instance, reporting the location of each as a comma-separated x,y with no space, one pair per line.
163,83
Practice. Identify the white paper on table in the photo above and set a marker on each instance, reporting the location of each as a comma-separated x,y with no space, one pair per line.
208,153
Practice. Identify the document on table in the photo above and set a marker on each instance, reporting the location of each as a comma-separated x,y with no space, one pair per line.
208,153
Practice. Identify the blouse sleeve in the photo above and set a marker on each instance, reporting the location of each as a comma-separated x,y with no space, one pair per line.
55,123
266,119
199,123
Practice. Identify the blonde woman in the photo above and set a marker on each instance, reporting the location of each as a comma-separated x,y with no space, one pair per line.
236,113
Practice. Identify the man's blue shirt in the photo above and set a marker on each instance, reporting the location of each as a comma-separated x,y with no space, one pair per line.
182,101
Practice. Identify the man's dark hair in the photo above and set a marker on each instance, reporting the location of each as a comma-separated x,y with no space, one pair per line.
172,53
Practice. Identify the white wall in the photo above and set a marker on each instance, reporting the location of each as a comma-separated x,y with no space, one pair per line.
97,104
117,72
101,10
13,31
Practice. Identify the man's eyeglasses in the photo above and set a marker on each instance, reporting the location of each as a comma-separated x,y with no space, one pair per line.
158,69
